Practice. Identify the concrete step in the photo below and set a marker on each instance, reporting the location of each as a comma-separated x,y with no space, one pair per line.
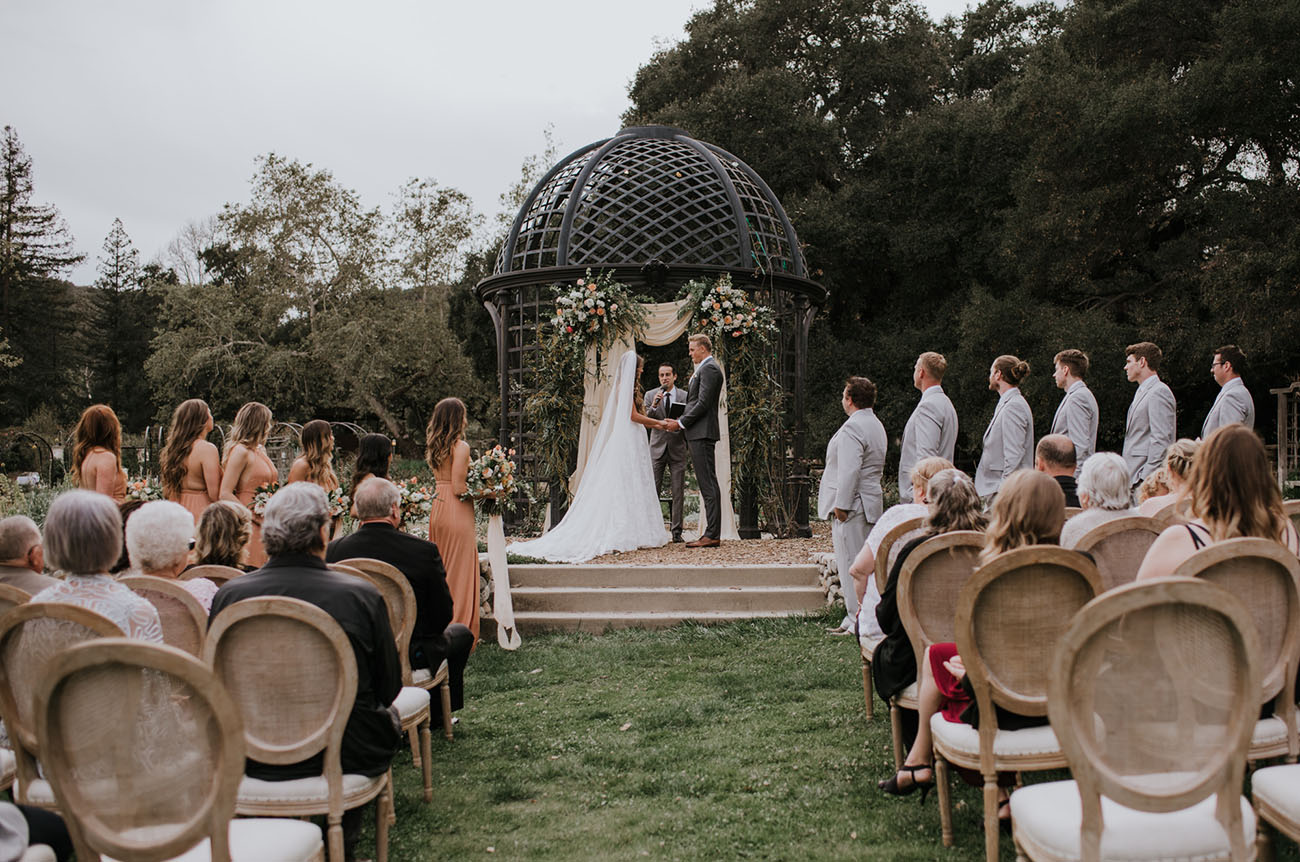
642,599
662,576
532,622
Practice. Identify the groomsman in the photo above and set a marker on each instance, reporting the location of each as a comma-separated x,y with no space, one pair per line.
1153,415
668,448
1077,415
1233,403
1009,439
850,495
931,430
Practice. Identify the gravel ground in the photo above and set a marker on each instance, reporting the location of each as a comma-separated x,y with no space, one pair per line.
746,552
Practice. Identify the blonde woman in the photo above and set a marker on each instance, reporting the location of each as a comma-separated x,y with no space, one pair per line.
451,522
97,453
248,467
315,464
223,533
190,465
1179,458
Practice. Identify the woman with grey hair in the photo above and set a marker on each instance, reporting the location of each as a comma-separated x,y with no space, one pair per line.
158,540
83,538
1105,493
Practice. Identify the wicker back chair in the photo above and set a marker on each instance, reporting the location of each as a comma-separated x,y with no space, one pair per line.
184,622
1176,512
11,597
1265,577
31,635
291,671
1152,696
1118,547
155,786
1010,615
217,574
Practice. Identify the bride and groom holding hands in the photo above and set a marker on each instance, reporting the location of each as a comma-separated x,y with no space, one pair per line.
616,507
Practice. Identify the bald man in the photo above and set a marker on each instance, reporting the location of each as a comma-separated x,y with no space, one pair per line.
1054,456
22,558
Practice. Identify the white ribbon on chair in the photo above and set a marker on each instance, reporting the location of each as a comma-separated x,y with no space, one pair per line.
503,607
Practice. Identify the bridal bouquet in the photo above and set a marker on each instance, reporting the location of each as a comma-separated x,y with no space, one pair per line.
338,502
144,489
492,479
416,504
262,495
725,312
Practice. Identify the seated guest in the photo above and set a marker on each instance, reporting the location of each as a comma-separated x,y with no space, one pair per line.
23,827
22,559
125,511
1154,485
374,457
863,569
1234,495
954,505
1055,457
158,540
1179,458
223,533
435,636
83,536
295,527
1104,491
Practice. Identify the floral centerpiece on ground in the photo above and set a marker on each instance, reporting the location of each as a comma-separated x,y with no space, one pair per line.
262,495
416,503
492,480
144,489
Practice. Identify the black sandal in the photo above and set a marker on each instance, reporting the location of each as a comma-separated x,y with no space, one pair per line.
893,788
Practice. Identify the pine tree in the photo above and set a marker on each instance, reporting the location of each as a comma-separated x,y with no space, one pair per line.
120,325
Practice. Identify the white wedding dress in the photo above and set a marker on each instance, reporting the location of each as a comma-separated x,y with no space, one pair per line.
616,507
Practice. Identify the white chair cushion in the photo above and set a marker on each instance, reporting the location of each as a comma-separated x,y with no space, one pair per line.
869,644
1047,819
1268,731
961,737
38,853
1279,788
411,700
421,676
40,794
304,790
264,839
907,697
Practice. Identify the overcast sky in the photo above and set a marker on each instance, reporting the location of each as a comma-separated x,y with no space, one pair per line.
153,111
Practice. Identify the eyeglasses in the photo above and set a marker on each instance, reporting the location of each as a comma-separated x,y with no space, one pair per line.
1217,364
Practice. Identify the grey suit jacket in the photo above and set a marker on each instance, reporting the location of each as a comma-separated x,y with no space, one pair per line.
1077,418
672,443
930,430
1150,428
1008,442
25,579
700,421
855,461
1232,404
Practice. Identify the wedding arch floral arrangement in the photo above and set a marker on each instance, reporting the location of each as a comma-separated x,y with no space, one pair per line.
594,311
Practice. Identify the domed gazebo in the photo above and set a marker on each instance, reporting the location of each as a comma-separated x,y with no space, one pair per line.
657,208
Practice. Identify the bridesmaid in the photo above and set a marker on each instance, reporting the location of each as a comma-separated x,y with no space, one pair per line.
247,467
97,453
191,466
315,463
451,523
374,457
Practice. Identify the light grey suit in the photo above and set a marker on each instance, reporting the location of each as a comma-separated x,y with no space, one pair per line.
1008,443
1150,428
1232,404
668,449
1076,418
931,430
855,461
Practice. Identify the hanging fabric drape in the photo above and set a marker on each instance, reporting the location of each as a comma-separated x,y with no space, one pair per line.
663,326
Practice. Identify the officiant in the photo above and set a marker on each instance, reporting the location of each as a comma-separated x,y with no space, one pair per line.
668,448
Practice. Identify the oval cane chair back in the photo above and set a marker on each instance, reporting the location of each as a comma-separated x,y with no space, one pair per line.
1176,512
931,582
30,636
1152,700
217,574
890,545
1118,547
400,599
11,597
184,622
152,786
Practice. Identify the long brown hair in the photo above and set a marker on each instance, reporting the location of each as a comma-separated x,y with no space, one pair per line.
446,426
317,447
251,428
97,428
1028,510
188,422
1232,489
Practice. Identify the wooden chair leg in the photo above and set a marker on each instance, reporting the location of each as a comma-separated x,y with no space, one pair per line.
413,735
945,798
991,817
384,814
446,709
335,837
1263,840
425,736
867,692
896,732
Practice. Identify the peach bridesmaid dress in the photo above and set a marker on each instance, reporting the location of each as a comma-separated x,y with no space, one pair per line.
260,471
195,502
109,486
451,528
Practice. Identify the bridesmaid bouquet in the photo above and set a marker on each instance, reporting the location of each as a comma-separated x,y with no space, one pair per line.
492,479
338,502
144,489
262,495
417,503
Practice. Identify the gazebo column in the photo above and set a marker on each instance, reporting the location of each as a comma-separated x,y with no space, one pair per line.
799,485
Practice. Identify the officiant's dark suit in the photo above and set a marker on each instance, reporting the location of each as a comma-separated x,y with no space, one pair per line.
668,449
701,429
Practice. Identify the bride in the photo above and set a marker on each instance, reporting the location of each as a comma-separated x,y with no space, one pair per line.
616,507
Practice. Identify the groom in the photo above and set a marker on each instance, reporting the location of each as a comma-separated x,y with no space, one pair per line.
700,424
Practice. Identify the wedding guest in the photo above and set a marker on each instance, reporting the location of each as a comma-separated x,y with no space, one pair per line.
315,464
190,465
158,540
223,533
1054,456
374,458
451,523
668,448
931,430
97,453
247,467
1077,415
1154,485
125,511
1153,415
850,496
25,826
863,569
1234,495
1103,494
1009,439
1233,403
22,559
1179,459
83,537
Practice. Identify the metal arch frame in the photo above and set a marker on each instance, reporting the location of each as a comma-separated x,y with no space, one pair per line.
13,436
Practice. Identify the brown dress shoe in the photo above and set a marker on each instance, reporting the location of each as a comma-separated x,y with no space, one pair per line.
704,542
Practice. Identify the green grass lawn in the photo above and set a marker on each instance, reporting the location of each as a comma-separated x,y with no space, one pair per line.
746,740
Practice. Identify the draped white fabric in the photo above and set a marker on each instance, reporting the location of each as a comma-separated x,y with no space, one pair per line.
662,327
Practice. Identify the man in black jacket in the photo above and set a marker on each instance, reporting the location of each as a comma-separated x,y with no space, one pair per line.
435,636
